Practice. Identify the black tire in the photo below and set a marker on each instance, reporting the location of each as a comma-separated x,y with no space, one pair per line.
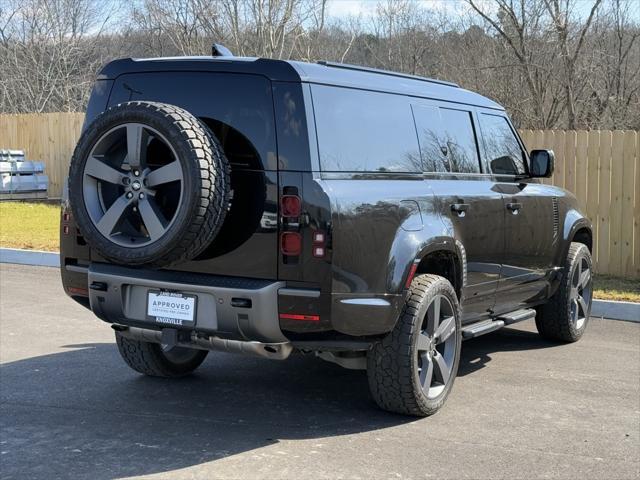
393,365
150,358
204,198
556,320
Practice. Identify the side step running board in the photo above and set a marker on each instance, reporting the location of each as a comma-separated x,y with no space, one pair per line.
481,328
486,326
517,316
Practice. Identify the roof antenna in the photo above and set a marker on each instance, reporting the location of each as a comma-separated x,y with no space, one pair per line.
219,50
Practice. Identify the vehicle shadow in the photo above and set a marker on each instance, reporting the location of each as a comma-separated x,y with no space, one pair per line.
476,353
83,413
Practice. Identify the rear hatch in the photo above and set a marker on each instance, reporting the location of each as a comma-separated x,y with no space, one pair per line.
239,109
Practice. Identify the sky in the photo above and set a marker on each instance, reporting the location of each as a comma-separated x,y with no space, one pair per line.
343,8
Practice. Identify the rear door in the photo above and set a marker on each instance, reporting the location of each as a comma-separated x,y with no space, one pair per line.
467,197
531,223
239,109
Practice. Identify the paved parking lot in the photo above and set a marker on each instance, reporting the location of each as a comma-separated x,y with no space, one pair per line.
521,407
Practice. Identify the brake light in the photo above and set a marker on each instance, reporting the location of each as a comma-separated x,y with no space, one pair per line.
290,206
290,243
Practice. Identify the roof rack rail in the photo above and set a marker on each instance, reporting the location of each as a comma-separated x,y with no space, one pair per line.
348,66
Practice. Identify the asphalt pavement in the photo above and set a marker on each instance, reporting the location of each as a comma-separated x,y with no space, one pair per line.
521,407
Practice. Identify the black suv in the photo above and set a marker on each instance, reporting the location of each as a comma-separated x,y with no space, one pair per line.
266,207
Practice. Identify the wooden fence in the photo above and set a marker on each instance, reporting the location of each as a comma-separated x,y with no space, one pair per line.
47,137
602,168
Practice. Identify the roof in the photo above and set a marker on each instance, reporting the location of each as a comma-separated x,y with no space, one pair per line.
324,73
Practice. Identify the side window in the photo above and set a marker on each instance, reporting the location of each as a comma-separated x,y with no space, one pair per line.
460,141
503,150
361,131
447,139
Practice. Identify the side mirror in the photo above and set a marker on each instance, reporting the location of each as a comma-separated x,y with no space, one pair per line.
542,163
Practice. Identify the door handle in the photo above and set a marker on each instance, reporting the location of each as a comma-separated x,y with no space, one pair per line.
460,208
514,207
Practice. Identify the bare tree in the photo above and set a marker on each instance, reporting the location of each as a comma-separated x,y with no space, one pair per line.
552,63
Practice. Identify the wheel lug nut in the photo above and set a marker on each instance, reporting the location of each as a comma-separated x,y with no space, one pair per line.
136,173
129,195
141,196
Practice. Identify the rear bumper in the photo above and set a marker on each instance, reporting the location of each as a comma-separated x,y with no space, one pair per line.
234,308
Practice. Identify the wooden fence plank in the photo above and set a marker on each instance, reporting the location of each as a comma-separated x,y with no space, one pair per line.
604,202
547,144
592,168
558,150
628,192
580,189
570,160
617,156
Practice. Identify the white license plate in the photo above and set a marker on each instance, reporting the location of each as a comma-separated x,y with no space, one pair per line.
171,308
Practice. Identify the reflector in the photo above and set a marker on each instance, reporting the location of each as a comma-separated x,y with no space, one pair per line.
295,316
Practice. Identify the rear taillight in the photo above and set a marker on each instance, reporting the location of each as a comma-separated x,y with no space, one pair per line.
290,243
290,206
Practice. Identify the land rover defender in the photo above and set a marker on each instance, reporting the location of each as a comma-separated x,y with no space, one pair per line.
267,207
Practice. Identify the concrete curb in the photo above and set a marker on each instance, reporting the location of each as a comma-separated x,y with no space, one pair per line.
29,257
628,311
600,308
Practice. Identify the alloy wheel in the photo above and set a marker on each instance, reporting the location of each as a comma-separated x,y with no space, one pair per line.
132,185
436,346
581,291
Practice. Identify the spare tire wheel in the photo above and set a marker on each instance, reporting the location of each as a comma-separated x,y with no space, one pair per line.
148,184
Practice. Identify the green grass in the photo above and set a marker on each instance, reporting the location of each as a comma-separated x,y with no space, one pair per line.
33,226
613,288
36,226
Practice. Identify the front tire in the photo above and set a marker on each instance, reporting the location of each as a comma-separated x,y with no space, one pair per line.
412,370
156,360
565,317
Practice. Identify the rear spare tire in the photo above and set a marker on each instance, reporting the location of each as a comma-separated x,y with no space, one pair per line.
148,184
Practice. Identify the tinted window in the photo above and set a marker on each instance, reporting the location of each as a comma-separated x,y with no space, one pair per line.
503,150
447,139
364,131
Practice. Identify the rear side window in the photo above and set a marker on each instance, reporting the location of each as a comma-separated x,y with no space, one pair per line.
504,154
361,131
447,139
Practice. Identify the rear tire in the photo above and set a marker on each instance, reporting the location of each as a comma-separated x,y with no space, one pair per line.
412,370
151,359
565,317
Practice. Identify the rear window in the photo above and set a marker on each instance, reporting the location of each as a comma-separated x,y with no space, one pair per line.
361,131
447,139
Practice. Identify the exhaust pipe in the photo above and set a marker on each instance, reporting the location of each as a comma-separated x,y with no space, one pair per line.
273,351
